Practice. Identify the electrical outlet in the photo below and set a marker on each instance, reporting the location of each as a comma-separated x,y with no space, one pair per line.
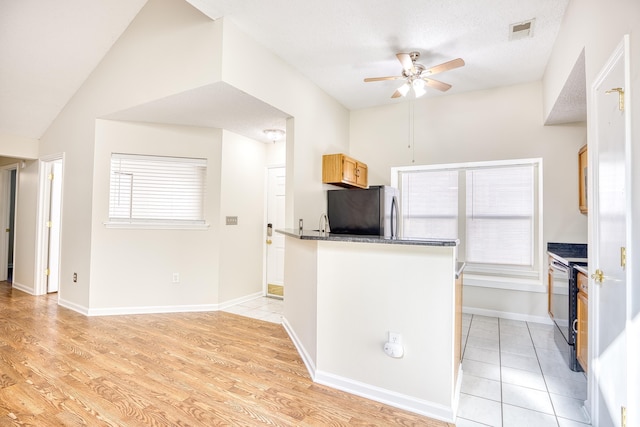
395,338
175,278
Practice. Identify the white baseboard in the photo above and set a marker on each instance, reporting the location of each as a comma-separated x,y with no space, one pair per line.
508,315
306,358
23,288
114,311
231,303
388,397
73,306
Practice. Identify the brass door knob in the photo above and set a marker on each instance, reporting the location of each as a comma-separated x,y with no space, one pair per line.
598,276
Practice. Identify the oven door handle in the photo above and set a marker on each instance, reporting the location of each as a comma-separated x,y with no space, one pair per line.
560,266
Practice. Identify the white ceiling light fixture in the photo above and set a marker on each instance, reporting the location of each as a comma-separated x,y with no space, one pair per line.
274,135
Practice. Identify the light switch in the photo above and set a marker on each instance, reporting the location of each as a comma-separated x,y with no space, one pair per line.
232,220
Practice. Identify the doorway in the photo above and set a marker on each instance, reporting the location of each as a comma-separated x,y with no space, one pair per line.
610,288
50,222
275,219
8,185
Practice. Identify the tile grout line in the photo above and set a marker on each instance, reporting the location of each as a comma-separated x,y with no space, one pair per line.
544,379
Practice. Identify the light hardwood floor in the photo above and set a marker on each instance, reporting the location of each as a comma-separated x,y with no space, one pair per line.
58,367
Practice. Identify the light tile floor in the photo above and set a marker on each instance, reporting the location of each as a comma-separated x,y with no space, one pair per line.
264,308
514,375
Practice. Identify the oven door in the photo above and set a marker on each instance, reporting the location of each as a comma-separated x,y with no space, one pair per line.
559,297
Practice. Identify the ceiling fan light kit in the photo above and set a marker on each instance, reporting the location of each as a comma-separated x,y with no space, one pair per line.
274,134
417,76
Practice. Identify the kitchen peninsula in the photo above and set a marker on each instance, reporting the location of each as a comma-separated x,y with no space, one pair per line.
345,293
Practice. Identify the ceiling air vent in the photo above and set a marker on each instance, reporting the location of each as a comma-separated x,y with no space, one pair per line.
521,30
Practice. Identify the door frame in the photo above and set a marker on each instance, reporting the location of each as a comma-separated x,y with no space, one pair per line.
594,401
5,194
42,240
266,221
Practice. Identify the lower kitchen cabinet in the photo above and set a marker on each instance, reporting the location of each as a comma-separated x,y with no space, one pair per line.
582,335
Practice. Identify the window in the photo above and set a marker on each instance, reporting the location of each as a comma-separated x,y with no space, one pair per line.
499,215
156,190
430,204
492,207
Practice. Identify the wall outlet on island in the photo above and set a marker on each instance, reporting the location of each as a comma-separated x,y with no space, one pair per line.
395,338
175,278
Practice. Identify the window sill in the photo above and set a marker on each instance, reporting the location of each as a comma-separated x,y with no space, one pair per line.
507,283
156,225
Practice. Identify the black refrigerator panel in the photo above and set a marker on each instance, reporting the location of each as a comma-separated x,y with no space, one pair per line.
371,211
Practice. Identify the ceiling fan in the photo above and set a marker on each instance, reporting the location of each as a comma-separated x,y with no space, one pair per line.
417,76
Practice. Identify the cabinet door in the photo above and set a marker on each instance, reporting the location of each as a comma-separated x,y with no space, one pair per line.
582,179
550,290
361,174
582,337
457,344
349,170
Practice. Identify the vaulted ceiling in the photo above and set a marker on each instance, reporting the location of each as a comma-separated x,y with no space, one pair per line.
48,49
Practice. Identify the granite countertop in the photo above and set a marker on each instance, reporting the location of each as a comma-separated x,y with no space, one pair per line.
568,253
317,235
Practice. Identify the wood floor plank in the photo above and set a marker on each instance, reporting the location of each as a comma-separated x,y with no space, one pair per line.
60,368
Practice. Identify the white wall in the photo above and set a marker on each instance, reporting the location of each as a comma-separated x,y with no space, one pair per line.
169,47
319,124
133,268
242,194
496,124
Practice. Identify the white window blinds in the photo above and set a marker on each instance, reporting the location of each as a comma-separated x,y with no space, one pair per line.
154,188
429,204
492,207
500,215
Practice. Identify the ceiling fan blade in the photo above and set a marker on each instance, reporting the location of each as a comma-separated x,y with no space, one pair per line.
450,65
436,84
407,63
379,79
396,94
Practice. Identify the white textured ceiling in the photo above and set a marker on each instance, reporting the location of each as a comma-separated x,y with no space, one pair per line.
48,49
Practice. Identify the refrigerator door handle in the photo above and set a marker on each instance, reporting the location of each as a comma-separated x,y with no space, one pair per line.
394,216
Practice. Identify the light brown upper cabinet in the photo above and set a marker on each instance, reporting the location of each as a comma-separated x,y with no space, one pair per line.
582,179
342,170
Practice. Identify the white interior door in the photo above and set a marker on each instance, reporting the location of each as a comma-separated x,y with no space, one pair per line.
54,223
49,225
275,242
608,296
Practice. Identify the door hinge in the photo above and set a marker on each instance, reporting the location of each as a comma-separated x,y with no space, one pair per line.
623,417
623,257
620,92
46,272
49,224
50,177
